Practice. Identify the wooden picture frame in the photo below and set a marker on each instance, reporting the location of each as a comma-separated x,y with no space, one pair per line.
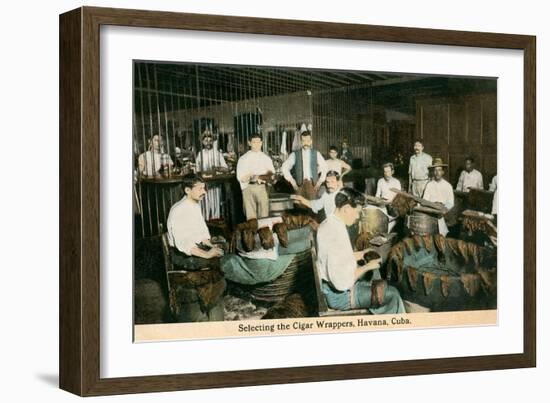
79,280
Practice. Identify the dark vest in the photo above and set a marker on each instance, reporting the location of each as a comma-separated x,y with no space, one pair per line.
299,169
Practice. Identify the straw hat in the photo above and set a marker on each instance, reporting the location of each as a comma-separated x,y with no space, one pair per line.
437,162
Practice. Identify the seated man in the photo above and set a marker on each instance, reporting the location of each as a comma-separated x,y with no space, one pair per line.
469,178
386,183
343,282
326,201
188,235
152,161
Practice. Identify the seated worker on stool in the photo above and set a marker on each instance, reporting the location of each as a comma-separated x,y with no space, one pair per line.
326,201
249,167
188,235
387,182
343,281
469,178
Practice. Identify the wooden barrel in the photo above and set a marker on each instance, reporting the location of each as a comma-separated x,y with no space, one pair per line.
373,221
442,278
279,203
422,224
452,295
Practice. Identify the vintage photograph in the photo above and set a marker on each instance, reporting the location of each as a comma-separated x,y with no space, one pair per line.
265,193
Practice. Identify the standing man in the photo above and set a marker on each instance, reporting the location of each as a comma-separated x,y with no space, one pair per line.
438,190
469,178
418,169
150,162
347,157
249,167
343,283
210,158
326,201
493,187
309,166
387,182
336,164
188,235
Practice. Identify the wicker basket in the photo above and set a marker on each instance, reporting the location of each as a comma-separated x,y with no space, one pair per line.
297,277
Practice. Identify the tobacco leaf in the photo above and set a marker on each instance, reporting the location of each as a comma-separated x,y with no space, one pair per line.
427,279
411,276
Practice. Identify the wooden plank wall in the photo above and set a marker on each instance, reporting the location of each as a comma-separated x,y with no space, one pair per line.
453,128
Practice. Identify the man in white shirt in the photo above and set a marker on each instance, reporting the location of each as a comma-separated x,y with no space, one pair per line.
469,178
188,235
150,162
208,159
336,164
387,182
494,188
343,282
326,201
438,190
309,166
249,167
418,170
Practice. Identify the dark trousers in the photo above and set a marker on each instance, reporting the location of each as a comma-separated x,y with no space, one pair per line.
307,190
181,261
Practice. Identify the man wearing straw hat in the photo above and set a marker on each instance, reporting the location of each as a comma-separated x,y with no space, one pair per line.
418,169
438,190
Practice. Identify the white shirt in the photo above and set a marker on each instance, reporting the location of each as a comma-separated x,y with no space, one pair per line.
208,159
383,188
186,225
306,156
494,188
442,192
335,165
335,258
326,201
152,162
469,180
253,163
418,166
